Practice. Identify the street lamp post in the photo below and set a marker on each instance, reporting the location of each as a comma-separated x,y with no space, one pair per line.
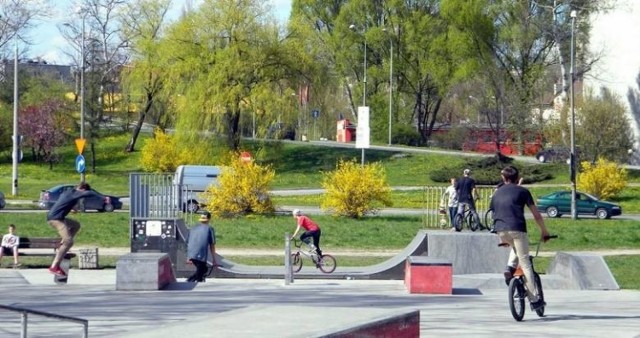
364,79
574,214
16,137
390,83
82,66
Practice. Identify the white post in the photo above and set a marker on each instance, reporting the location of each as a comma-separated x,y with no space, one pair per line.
574,214
82,65
288,269
16,137
390,86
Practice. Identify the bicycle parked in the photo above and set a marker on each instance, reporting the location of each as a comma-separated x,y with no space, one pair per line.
326,263
517,287
488,220
466,217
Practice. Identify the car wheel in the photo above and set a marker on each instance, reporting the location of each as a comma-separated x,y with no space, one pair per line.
109,207
553,212
602,213
192,207
542,159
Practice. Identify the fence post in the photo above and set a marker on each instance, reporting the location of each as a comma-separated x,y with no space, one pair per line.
23,333
288,272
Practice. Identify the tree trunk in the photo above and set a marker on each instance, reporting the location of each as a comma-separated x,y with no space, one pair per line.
136,131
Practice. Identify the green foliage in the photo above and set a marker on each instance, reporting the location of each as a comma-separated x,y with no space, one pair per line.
405,135
243,189
164,153
354,190
452,139
604,179
486,171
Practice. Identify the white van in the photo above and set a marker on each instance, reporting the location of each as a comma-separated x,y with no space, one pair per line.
190,181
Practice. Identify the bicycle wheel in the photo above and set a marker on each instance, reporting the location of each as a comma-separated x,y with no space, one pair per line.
536,277
327,264
488,219
296,262
471,222
457,222
517,297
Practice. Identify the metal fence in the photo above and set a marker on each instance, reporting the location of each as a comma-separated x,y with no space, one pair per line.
157,196
432,198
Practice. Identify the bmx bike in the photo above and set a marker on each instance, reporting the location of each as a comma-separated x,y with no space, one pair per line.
466,217
518,288
326,263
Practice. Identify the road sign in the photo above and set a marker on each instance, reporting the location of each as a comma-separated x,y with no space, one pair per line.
362,130
80,142
80,164
245,156
315,113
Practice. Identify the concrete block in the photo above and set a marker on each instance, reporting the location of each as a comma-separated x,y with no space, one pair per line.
88,258
469,252
428,275
140,271
583,271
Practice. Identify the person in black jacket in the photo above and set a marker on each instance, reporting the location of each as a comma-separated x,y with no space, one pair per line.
67,228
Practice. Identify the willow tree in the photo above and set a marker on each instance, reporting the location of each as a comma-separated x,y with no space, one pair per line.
223,60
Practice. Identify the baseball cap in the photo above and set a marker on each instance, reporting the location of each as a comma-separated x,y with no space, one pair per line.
296,212
205,216
467,171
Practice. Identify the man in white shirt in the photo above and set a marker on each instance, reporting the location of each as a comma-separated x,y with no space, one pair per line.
10,244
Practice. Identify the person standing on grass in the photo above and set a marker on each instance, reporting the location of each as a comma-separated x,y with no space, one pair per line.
466,191
311,230
67,228
508,204
10,243
201,242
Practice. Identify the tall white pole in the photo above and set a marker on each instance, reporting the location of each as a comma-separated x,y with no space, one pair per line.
574,214
364,91
16,136
390,85
82,66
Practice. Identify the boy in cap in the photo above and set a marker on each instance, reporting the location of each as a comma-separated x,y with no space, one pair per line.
201,242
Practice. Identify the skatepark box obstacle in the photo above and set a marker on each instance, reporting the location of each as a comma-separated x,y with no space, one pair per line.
156,225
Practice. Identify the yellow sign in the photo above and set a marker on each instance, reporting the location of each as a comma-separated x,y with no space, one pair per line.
80,144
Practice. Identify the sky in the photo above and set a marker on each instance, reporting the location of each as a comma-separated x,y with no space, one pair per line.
48,43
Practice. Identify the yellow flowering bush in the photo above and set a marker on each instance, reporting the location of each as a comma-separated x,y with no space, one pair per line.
603,179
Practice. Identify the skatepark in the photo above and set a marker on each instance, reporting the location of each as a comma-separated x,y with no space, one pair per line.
247,301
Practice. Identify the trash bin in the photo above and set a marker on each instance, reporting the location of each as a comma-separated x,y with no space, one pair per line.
88,258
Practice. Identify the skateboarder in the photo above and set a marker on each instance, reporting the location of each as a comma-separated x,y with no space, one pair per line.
66,227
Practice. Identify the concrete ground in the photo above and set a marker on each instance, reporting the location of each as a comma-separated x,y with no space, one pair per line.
305,308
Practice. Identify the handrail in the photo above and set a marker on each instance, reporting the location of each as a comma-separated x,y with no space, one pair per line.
24,312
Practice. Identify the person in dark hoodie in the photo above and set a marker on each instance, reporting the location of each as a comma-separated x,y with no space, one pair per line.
67,228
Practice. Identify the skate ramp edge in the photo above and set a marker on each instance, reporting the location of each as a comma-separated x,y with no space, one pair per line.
583,271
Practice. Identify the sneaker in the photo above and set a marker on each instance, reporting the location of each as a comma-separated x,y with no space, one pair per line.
538,305
508,274
57,271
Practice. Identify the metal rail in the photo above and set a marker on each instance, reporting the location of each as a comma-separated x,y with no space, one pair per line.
24,314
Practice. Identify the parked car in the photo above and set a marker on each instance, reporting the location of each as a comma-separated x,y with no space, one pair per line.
3,203
558,203
101,203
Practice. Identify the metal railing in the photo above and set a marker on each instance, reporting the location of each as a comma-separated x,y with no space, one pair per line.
432,201
24,314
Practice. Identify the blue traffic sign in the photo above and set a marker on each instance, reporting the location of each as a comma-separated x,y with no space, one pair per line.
80,164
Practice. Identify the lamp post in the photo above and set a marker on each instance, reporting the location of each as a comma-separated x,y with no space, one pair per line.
364,79
574,214
16,137
390,82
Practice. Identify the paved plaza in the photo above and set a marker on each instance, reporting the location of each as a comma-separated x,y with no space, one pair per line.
305,308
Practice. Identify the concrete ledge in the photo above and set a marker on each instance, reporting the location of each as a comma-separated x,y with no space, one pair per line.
469,252
429,275
583,271
144,271
397,325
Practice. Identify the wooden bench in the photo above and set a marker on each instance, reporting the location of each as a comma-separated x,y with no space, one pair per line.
39,246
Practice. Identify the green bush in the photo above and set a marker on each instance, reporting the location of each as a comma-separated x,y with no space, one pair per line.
354,190
453,139
405,135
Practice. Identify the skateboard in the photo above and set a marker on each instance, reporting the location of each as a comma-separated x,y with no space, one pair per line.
65,264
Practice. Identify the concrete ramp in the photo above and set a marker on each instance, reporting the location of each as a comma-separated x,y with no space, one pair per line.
470,252
583,271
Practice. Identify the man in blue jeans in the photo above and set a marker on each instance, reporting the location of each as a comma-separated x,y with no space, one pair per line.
508,204
466,192
201,242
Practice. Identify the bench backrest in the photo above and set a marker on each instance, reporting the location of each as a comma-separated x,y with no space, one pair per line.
39,243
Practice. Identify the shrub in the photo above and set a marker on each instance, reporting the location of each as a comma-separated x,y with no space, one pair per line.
243,188
353,190
164,153
603,179
405,135
452,139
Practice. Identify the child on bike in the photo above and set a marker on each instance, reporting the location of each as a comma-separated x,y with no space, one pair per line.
311,230
508,204
450,199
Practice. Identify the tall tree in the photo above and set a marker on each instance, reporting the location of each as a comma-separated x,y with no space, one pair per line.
142,23
633,96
